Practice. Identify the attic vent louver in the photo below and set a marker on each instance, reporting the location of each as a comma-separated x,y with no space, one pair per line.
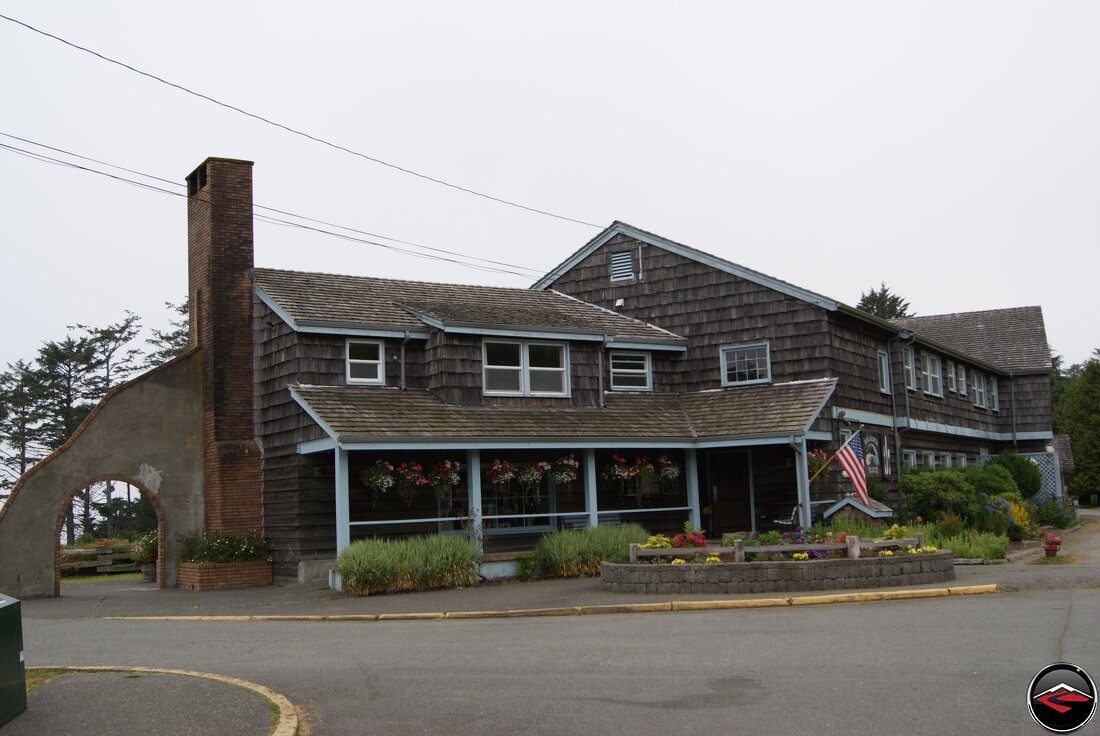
622,266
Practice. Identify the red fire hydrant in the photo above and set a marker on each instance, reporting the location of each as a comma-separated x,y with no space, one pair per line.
1051,544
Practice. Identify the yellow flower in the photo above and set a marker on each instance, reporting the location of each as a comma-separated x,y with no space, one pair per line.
678,561
712,559
801,555
886,553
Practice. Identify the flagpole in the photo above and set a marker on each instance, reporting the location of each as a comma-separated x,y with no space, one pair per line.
833,456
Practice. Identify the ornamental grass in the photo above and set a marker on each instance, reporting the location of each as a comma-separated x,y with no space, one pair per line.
373,566
575,553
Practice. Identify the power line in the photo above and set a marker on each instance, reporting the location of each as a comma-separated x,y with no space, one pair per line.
297,132
506,269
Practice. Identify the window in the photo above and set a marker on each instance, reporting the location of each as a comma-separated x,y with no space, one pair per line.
884,372
525,369
746,364
630,372
930,370
945,459
960,460
951,376
622,266
994,397
909,368
365,362
962,380
977,382
910,458
928,459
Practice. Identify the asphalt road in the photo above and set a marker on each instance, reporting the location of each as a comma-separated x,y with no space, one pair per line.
956,665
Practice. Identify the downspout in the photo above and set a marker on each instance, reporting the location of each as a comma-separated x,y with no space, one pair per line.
1012,398
599,360
403,344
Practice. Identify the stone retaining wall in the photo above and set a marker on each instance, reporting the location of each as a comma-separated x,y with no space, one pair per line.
779,577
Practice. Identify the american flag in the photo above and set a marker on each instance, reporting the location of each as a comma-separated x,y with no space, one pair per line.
850,457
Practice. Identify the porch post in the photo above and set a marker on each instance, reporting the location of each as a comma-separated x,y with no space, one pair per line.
473,490
343,514
691,470
802,472
590,488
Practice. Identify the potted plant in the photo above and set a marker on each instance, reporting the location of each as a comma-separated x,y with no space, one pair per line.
145,553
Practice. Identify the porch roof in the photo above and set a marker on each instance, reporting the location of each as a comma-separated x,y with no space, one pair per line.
360,415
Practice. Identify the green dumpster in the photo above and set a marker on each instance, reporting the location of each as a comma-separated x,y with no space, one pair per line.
13,678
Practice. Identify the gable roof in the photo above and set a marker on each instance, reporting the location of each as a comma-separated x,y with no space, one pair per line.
1013,340
621,228
353,414
323,300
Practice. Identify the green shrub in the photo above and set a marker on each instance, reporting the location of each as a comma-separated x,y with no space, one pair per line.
931,493
877,489
992,480
993,519
855,526
372,566
145,548
1058,513
578,552
527,566
1025,473
972,544
220,547
950,525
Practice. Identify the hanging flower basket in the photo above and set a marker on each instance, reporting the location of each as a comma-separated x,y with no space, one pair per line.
410,478
444,478
379,479
565,471
531,477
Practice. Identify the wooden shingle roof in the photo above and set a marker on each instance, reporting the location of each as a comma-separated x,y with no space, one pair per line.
1062,446
321,299
1012,339
352,414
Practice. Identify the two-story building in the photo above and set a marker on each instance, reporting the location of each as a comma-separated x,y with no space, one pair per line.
641,380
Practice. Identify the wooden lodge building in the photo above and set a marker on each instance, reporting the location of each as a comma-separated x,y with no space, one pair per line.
641,380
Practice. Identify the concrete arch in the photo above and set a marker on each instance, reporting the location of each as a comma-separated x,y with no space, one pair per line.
147,432
61,520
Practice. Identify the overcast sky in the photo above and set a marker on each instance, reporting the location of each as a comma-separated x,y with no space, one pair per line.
950,149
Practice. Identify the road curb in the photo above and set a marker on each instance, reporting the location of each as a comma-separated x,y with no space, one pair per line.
672,606
288,713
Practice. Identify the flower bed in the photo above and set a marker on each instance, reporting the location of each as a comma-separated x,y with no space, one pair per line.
779,577
223,575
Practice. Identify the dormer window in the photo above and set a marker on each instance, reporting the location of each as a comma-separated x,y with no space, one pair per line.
622,265
365,362
745,364
525,369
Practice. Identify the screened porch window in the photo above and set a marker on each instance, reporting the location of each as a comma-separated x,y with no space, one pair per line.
630,372
364,359
743,364
525,369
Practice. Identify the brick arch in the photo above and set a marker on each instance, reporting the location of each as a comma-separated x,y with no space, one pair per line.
67,503
147,432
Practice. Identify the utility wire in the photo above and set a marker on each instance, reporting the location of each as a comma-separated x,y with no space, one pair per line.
263,218
297,132
533,271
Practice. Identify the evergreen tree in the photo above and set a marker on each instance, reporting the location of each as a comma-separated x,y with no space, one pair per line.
114,359
1078,415
167,344
21,417
881,303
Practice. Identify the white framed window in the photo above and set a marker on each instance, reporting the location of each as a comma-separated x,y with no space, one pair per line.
928,459
630,372
930,372
514,368
950,376
962,380
622,265
909,367
945,459
744,364
994,395
365,362
977,382
909,458
883,362
960,459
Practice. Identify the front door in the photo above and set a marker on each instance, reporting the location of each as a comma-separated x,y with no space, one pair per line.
729,491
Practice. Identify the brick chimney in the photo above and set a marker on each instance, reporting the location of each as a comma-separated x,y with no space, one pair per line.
219,261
